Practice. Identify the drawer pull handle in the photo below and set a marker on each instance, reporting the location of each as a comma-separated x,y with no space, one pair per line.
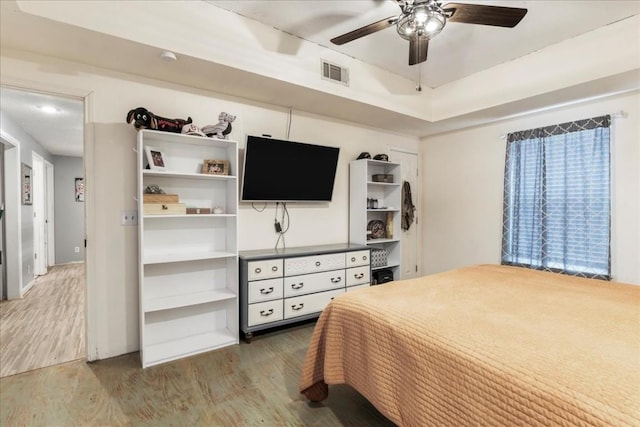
317,263
336,279
353,259
364,258
274,268
297,306
359,275
297,285
258,270
165,207
266,313
266,291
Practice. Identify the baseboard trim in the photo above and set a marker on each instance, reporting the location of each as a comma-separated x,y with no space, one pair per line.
27,288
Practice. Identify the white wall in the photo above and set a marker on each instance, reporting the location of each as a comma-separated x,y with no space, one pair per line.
463,187
28,145
324,223
110,173
69,214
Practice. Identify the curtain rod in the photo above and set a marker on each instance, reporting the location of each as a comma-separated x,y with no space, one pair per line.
617,115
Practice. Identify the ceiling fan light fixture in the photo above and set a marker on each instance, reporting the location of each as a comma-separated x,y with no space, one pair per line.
424,20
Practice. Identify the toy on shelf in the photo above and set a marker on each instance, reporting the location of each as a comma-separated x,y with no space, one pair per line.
145,119
222,128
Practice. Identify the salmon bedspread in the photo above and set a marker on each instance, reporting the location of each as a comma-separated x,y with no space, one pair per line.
485,345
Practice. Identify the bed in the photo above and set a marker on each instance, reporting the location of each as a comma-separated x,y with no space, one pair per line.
484,345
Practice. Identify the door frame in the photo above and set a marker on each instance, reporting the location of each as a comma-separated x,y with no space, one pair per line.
12,214
417,201
88,98
3,279
49,219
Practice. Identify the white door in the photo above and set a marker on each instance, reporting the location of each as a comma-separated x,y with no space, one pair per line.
2,250
409,239
39,244
49,215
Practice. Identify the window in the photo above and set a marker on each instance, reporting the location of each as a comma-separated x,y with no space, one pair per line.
557,198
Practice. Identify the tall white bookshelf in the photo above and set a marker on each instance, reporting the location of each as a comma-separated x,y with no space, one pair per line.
188,263
388,196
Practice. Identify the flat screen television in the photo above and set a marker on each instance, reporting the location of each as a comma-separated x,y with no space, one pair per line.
284,171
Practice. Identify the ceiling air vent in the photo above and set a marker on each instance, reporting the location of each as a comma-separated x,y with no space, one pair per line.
334,73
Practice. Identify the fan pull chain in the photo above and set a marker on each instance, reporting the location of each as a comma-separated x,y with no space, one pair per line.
419,85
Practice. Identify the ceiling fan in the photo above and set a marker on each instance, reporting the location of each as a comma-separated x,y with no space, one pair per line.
421,20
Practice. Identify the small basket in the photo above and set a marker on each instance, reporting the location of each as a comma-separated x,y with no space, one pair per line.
382,177
378,258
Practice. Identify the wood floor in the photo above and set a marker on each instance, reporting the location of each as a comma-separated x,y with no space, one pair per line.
47,326
243,385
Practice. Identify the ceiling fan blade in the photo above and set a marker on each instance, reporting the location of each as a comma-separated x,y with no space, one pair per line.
418,47
364,31
498,16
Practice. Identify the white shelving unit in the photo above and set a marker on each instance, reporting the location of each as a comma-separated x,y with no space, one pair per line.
389,199
188,272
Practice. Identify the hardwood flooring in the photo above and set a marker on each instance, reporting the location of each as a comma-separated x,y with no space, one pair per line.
243,385
47,326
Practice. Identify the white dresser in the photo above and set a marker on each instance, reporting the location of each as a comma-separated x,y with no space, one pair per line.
278,287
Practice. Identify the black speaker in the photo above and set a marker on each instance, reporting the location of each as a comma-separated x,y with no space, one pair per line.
382,276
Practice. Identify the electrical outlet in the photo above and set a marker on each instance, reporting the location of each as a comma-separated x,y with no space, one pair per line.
130,217
76,249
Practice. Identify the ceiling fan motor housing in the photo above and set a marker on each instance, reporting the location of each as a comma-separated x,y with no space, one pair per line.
421,20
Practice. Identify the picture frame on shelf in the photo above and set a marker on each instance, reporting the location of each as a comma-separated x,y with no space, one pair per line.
215,167
156,158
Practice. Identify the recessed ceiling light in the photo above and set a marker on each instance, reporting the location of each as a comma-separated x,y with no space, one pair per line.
49,109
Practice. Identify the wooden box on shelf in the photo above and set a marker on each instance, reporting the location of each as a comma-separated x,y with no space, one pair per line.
198,211
165,209
160,198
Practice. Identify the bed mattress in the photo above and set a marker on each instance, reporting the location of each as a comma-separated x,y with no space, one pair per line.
485,345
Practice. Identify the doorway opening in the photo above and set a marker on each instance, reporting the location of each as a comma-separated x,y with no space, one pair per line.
43,309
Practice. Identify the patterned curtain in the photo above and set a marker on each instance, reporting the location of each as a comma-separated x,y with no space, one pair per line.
557,198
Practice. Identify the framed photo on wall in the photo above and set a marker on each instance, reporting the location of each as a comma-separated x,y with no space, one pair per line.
27,194
216,167
156,158
79,188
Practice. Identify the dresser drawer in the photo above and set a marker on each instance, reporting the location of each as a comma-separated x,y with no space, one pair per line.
264,312
307,304
264,290
358,275
308,283
313,264
357,258
267,269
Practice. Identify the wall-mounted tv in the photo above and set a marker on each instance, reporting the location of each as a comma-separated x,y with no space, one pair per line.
284,171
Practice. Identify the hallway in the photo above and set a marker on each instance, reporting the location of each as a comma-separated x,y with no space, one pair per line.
47,326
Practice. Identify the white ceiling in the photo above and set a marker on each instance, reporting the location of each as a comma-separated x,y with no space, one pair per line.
59,132
458,51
